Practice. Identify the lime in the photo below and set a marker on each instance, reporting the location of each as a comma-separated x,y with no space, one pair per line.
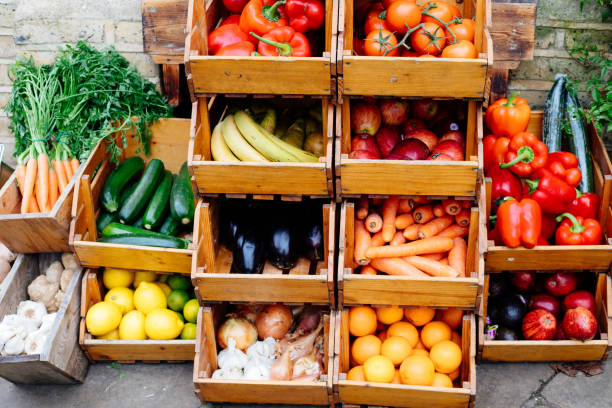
190,311
189,331
179,282
181,317
177,299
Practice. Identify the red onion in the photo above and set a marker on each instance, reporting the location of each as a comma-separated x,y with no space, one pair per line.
240,329
274,321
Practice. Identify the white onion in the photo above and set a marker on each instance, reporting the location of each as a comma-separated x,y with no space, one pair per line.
240,329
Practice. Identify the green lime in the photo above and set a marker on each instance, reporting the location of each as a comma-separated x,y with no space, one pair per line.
178,282
180,317
177,300
192,294
189,331
191,310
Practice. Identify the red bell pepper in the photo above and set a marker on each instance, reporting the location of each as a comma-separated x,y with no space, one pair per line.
231,19
578,231
504,184
553,194
225,35
507,117
519,222
586,205
549,226
526,154
239,49
305,15
565,166
495,149
283,41
235,6
261,19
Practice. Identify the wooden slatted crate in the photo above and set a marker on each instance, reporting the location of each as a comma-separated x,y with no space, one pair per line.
209,74
552,257
216,177
408,177
61,360
169,142
212,261
125,351
409,76
255,392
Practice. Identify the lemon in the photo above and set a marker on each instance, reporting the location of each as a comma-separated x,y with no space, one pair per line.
164,287
144,276
149,296
103,317
163,324
116,278
190,311
122,297
111,335
132,326
189,331
163,278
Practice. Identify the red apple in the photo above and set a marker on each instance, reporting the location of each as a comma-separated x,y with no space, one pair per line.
393,112
365,142
544,302
446,125
410,149
579,298
579,324
524,281
365,118
426,136
413,124
363,154
560,284
539,325
455,135
560,333
424,109
386,138
440,157
450,148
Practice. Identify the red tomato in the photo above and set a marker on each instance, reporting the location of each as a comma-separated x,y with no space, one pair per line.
429,39
439,9
408,53
374,20
358,46
463,49
379,41
455,10
464,30
402,13
387,3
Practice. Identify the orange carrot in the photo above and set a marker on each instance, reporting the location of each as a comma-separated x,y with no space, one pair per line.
61,174
435,257
410,233
405,206
373,223
444,261
433,227
376,201
438,210
398,238
466,204
362,243
389,212
397,266
463,218
362,207
424,246
74,163
457,255
42,190
454,231
420,200
20,175
433,268
68,170
53,188
28,185
423,214
377,240
451,206
403,220
367,270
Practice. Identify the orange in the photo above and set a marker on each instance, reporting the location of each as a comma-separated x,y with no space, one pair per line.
382,335
419,316
454,375
396,378
405,330
362,321
446,356
389,315
417,370
419,344
379,369
355,374
442,380
435,332
456,338
365,347
420,352
451,316
396,348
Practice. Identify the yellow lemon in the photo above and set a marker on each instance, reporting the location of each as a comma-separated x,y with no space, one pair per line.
116,278
163,324
144,276
122,297
102,318
132,326
149,296
111,335
164,287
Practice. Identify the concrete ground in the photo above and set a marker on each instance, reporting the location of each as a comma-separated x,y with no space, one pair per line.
170,386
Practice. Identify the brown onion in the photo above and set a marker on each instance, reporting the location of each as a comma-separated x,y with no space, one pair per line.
274,321
240,329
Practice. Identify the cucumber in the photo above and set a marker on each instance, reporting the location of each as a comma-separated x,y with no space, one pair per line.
153,215
139,198
182,201
126,193
579,143
170,226
554,112
164,241
104,219
118,178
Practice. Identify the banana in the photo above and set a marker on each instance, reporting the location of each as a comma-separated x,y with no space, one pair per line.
300,154
218,148
254,134
237,144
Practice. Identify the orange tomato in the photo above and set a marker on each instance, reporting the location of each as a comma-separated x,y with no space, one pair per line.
396,348
451,316
387,3
435,332
389,315
362,320
429,39
365,347
419,316
405,330
464,30
378,42
463,49
439,9
455,10
373,19
356,374
417,370
402,13
446,356
379,369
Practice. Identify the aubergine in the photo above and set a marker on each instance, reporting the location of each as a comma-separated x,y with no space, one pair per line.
249,252
313,241
283,247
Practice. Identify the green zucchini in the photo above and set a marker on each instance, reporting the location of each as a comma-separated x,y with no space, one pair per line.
170,226
139,198
554,111
164,241
104,219
139,223
579,142
154,214
126,193
116,181
182,201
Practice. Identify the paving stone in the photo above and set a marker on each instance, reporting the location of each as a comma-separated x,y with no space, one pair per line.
581,391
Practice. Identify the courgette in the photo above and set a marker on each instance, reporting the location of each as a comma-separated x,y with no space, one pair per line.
579,142
139,198
163,241
126,193
554,113
182,201
170,226
154,214
104,219
116,181
139,223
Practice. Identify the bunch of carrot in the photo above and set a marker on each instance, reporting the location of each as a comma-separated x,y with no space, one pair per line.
411,237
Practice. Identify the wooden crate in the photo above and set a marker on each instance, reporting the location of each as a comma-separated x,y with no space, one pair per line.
312,179
125,351
408,177
255,392
208,74
399,395
61,360
356,289
408,76
552,350
212,261
552,257
169,142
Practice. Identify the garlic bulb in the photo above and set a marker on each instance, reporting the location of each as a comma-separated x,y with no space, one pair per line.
47,322
34,311
263,349
6,333
35,341
16,344
231,357
228,374
54,271
20,322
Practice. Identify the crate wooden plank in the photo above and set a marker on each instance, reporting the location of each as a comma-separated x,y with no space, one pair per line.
513,29
163,29
281,392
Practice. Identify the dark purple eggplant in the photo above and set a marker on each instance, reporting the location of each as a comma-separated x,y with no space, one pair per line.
249,252
313,241
283,246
